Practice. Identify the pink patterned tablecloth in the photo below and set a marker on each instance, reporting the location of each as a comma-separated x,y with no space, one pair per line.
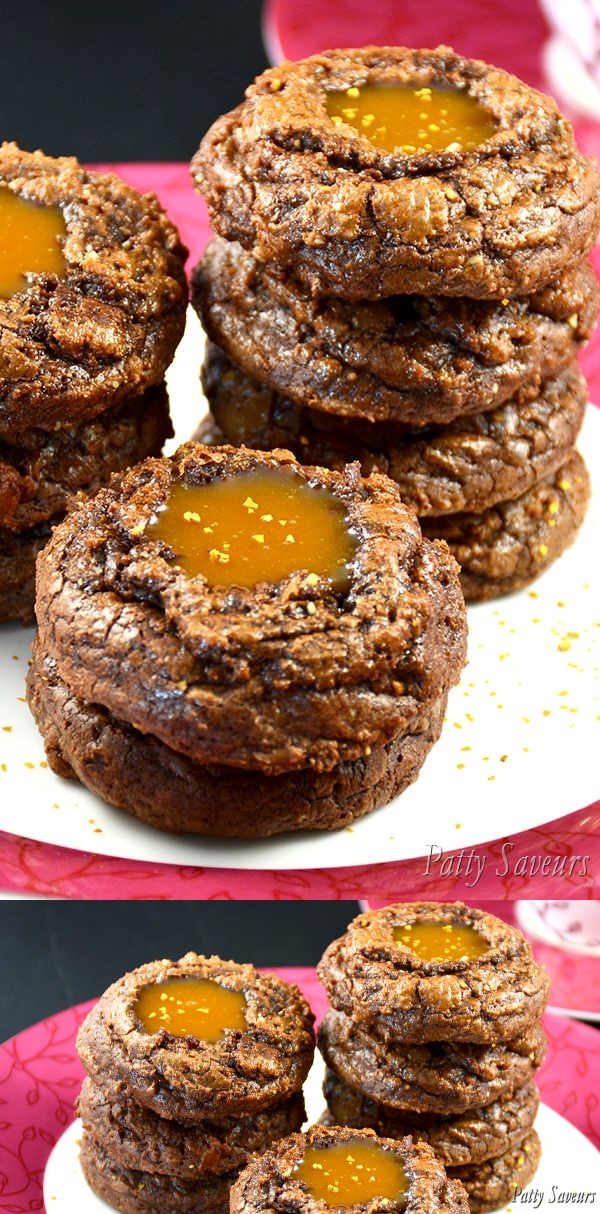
40,1076
510,33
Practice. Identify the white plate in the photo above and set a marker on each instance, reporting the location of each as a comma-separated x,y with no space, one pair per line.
569,1163
518,749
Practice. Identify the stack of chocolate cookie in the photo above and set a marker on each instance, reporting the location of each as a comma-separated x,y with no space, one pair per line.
194,1066
435,1033
281,645
92,307
400,277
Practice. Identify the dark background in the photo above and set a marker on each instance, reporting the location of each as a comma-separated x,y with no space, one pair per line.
53,955
123,79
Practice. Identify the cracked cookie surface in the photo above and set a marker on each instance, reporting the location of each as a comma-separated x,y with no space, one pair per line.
469,1138
270,678
440,1078
268,1183
386,987
188,1079
72,346
411,360
468,465
500,219
138,773
505,547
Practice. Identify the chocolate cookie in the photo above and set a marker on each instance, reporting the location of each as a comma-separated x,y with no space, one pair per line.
138,773
468,465
270,677
487,994
18,552
269,1182
135,1192
411,360
108,328
135,1137
507,546
469,1138
492,1184
443,1078
41,476
501,216
192,1080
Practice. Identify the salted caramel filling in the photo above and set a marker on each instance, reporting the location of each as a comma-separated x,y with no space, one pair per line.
258,526
191,1007
441,941
352,1173
426,119
29,241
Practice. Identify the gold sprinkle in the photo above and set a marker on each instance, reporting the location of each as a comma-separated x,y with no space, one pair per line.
312,579
260,539
266,518
250,504
182,686
573,320
7,728
191,516
207,530
289,539
564,485
31,765
275,84
543,549
310,609
353,92
553,508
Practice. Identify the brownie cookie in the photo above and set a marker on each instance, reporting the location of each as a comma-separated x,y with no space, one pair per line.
469,1138
492,1184
76,344
509,545
487,993
138,773
135,1137
193,1080
443,1078
411,360
41,476
502,216
269,1182
135,1192
18,552
271,677
468,465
